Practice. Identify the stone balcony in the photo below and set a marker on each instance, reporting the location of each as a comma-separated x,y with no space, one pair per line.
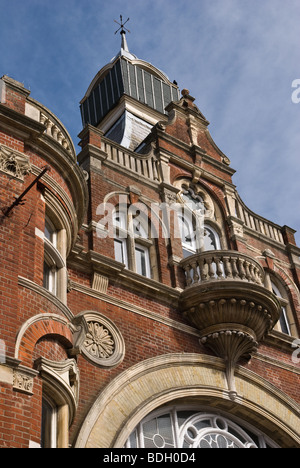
226,300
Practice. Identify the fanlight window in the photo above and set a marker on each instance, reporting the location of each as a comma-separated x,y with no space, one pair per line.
193,201
183,428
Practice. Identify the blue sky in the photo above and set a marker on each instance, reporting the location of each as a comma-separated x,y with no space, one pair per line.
238,58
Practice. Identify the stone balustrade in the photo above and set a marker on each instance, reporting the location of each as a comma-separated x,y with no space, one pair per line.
145,165
54,128
257,223
221,265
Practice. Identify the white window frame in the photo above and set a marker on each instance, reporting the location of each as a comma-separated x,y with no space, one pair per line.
55,276
51,232
208,227
145,251
123,248
50,277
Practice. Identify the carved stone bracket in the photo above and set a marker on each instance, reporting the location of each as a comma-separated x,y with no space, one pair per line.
232,319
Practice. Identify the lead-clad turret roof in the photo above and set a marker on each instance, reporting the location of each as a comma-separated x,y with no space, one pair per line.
126,75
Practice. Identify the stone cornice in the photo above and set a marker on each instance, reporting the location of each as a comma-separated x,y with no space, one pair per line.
135,309
16,121
116,271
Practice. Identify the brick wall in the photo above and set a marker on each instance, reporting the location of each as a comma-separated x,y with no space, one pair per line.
152,324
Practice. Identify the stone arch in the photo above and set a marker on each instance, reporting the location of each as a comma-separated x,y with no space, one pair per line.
163,379
37,327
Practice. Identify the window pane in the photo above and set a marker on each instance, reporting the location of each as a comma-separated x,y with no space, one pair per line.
187,233
50,232
283,322
195,203
142,261
120,254
49,425
140,257
211,239
46,278
139,229
193,429
49,278
119,220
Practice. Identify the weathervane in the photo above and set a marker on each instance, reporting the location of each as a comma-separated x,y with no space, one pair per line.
122,25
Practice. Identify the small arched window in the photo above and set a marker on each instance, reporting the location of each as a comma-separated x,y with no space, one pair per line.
197,235
283,323
211,239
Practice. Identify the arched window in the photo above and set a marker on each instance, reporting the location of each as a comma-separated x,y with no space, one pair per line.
197,234
200,219
59,400
211,239
184,427
283,323
131,242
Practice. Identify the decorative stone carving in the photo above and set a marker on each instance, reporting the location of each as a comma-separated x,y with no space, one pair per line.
14,163
100,283
98,339
236,227
99,342
169,194
22,382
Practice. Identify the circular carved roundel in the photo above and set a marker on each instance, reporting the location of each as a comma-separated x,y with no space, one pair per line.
103,343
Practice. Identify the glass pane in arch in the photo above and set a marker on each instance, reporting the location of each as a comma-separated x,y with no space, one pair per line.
211,239
193,201
181,427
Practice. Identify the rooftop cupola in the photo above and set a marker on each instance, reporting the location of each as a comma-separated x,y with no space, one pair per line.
127,97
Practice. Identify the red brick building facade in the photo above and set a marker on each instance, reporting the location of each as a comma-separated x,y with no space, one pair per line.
142,303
